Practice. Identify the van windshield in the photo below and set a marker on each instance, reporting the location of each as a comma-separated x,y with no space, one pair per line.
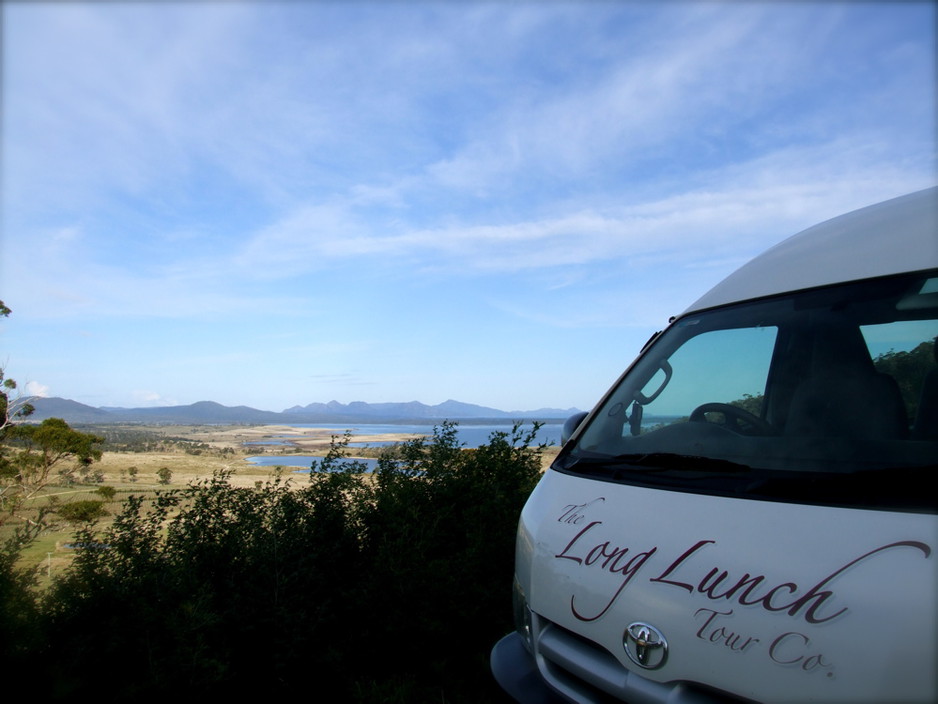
823,396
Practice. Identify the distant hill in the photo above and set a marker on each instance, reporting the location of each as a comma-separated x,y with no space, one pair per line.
410,410
210,412
71,411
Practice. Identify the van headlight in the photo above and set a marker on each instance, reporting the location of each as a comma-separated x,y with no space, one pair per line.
522,614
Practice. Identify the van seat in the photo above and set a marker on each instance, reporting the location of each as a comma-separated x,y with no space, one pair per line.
848,405
844,395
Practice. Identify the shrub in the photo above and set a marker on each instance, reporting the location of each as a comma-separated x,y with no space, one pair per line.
391,586
82,511
439,545
20,637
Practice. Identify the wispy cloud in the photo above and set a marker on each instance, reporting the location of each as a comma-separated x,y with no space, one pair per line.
151,398
753,204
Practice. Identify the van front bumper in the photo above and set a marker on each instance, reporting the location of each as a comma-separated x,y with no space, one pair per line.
516,672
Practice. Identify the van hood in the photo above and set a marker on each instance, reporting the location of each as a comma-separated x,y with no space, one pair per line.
767,601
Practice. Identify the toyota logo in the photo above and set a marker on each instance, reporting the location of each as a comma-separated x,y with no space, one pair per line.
645,645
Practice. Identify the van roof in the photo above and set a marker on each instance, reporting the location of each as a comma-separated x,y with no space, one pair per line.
891,237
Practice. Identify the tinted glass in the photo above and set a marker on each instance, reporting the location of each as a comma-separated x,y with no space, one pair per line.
824,396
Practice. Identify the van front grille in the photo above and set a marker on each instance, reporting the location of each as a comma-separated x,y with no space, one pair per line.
586,672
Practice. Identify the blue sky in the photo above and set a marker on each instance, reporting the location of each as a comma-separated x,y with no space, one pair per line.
272,204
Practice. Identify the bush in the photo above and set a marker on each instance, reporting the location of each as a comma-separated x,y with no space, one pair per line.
20,638
82,511
385,587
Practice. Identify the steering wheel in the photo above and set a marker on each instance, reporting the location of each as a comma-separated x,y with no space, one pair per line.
736,419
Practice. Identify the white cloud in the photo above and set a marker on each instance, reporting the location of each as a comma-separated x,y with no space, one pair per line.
141,398
34,388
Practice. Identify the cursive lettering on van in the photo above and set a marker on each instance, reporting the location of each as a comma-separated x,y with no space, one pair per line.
713,633
574,513
746,590
793,649
819,596
677,563
612,563
563,554
614,559
815,605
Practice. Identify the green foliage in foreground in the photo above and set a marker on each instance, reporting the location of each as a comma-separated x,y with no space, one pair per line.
20,631
345,589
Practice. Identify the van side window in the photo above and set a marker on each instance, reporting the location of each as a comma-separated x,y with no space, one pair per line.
725,366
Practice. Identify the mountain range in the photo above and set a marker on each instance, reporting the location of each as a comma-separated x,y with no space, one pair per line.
210,412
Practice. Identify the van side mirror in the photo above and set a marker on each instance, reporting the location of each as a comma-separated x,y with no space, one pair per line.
570,426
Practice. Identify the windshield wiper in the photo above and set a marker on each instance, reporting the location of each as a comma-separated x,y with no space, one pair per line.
658,462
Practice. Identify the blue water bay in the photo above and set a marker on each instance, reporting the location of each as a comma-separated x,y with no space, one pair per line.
467,436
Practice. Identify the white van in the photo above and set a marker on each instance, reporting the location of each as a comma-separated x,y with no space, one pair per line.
751,512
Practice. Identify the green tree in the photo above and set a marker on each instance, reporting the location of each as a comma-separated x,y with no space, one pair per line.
909,369
85,511
50,444
750,403
19,610
165,475
11,409
13,463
